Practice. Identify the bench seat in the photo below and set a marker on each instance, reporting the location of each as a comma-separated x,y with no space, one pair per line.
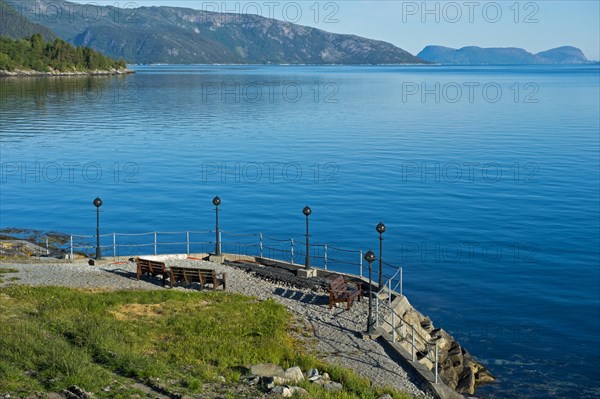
339,292
190,275
151,268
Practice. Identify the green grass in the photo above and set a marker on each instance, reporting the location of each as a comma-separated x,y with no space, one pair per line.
51,338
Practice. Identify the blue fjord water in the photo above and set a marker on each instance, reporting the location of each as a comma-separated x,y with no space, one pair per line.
486,177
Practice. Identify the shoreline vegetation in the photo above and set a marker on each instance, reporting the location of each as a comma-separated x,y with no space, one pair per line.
34,57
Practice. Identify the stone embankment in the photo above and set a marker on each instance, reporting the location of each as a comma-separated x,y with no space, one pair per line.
457,368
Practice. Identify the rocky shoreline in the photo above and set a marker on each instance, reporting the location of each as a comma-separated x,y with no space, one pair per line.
19,73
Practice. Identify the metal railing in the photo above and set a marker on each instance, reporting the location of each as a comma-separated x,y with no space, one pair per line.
323,255
384,311
118,248
418,343
285,249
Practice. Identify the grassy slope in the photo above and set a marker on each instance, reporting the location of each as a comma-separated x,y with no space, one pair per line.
51,338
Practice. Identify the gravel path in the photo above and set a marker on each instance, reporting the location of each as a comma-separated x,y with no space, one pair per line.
337,333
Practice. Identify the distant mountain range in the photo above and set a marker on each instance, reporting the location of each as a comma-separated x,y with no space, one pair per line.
184,36
173,35
501,56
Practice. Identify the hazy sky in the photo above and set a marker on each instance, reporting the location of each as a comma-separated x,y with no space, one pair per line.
411,25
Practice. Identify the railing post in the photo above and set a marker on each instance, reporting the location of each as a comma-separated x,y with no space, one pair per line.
325,257
292,252
220,242
393,326
412,340
71,241
155,243
401,282
187,242
47,247
376,309
390,291
361,264
436,362
114,246
260,244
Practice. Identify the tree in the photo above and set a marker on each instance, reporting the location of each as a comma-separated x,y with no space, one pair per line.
34,53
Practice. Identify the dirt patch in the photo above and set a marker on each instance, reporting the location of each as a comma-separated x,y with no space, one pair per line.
133,311
4,297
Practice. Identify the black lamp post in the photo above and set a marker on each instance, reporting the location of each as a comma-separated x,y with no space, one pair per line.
97,204
216,203
307,211
370,257
380,229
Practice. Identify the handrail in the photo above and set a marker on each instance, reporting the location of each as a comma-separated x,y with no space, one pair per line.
424,340
392,280
276,239
345,250
323,253
238,234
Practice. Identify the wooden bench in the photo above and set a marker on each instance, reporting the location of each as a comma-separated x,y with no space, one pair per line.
339,292
189,275
151,268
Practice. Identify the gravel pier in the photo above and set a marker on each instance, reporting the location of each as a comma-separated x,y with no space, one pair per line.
337,332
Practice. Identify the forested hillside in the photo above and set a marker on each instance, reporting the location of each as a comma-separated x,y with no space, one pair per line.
36,54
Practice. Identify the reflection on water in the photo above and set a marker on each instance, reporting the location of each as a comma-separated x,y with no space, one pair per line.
61,90
491,204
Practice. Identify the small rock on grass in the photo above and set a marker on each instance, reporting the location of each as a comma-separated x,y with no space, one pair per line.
313,374
294,374
74,392
283,391
267,382
298,390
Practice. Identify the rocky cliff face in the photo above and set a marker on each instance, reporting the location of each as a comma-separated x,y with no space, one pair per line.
181,35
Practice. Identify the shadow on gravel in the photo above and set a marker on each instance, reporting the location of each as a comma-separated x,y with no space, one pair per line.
301,296
412,376
132,276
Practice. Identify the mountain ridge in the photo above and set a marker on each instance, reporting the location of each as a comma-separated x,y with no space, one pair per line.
16,26
177,35
474,55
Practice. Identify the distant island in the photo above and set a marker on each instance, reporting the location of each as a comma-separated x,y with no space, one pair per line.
174,35
35,56
473,55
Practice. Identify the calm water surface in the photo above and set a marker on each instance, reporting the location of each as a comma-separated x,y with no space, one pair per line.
487,179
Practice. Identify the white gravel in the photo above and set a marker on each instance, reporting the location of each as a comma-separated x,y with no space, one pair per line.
337,333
